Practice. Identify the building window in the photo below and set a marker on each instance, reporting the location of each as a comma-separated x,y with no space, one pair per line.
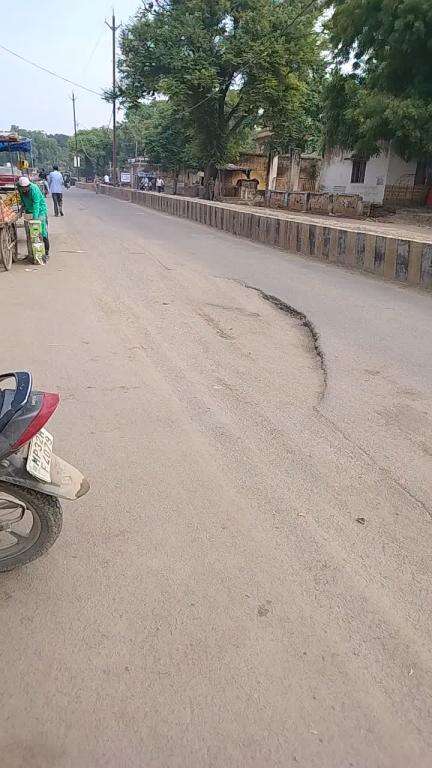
358,170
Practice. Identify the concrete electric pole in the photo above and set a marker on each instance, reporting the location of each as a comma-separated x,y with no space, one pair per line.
75,134
114,29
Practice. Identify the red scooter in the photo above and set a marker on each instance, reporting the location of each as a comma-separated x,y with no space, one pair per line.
32,477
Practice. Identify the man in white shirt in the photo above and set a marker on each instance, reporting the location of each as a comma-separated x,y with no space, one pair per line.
160,184
106,179
56,186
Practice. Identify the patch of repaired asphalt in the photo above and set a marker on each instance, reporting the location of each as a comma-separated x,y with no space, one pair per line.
304,320
298,315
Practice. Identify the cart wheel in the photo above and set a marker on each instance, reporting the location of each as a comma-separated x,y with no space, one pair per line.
8,245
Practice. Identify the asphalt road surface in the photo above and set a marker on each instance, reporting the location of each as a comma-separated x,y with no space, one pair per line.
248,584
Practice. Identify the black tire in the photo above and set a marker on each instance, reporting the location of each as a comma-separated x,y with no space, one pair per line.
6,246
48,512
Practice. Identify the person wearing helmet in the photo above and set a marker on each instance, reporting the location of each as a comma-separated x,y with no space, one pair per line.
33,202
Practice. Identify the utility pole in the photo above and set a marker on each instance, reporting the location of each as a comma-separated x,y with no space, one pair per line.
75,134
114,29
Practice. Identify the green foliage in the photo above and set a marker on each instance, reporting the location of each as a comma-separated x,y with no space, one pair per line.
48,149
94,148
390,40
388,96
166,139
224,65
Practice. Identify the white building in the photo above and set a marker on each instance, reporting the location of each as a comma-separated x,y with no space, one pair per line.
383,178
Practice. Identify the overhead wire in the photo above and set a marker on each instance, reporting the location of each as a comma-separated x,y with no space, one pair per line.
302,13
94,49
50,72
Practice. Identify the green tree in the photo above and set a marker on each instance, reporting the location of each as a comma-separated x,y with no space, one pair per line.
224,65
48,150
133,129
94,148
388,94
167,139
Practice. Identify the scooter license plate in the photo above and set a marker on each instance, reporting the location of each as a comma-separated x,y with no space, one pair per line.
39,456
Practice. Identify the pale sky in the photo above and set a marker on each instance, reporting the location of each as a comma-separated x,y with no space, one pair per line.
69,38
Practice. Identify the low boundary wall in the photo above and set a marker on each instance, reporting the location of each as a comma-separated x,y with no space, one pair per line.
407,261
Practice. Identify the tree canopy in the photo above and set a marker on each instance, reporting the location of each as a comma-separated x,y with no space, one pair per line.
166,139
48,149
388,93
224,66
94,148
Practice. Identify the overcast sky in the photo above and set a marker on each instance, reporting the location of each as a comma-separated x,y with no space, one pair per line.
69,38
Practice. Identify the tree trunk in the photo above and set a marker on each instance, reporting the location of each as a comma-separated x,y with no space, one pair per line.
176,175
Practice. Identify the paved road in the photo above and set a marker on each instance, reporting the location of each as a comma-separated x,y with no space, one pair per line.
248,583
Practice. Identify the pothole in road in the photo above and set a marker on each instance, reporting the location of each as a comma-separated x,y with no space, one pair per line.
297,314
293,312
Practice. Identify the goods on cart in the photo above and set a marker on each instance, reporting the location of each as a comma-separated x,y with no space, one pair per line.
12,198
8,136
37,243
8,210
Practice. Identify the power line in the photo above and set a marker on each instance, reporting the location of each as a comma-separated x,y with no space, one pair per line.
75,134
302,13
50,72
198,104
94,49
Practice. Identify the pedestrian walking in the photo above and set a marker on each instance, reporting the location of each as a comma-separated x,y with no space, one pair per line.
160,184
106,179
56,187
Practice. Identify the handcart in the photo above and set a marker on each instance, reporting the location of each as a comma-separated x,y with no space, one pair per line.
10,210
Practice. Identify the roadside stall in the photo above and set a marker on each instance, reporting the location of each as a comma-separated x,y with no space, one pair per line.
15,149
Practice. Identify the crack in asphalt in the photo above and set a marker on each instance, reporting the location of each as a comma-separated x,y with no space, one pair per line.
293,312
308,324
298,315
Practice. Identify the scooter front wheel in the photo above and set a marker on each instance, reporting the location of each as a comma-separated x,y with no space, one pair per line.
30,523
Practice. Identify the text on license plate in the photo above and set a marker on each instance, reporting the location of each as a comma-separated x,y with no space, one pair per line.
39,456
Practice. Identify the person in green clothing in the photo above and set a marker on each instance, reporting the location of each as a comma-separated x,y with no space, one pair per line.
33,202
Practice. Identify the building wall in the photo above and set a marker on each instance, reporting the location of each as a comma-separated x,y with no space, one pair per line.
258,165
308,174
296,172
400,188
400,173
335,176
284,172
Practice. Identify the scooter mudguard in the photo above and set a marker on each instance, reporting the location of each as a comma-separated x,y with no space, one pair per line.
66,481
